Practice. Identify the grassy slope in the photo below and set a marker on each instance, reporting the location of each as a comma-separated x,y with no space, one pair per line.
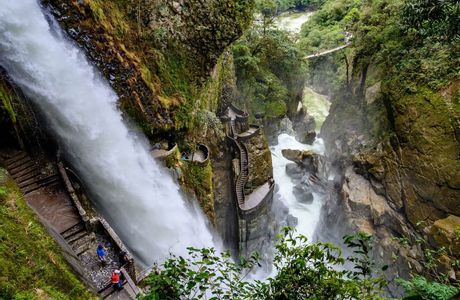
31,266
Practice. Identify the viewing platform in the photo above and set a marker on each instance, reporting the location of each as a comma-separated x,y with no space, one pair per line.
199,155
253,200
163,151
246,203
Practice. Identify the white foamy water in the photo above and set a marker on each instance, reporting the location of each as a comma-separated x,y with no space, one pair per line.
307,214
292,21
318,107
139,200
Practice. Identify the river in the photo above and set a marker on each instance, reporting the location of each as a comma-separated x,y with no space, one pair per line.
317,106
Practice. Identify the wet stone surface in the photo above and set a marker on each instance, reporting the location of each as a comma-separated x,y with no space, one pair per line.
100,273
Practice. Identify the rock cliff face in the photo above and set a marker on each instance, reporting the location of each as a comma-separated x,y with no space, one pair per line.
397,156
156,55
260,161
203,28
166,61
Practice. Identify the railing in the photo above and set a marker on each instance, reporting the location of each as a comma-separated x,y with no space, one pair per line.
101,221
157,153
253,131
242,177
237,110
72,194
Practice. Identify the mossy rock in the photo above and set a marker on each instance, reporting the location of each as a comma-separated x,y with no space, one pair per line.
198,178
446,233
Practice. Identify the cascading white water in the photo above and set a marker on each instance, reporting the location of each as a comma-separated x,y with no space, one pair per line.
306,214
139,200
318,107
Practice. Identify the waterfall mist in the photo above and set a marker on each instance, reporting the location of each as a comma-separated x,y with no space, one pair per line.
137,197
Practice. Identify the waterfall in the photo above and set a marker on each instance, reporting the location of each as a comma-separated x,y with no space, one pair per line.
138,199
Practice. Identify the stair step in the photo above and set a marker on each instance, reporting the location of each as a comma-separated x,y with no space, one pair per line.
26,176
30,188
80,251
28,182
19,155
106,291
109,290
76,236
83,242
72,230
18,162
28,166
48,180
39,183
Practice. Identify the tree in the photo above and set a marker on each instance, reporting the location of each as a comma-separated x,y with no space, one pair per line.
268,10
303,271
433,17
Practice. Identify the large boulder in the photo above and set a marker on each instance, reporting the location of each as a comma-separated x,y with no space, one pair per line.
294,171
302,193
304,127
306,159
446,233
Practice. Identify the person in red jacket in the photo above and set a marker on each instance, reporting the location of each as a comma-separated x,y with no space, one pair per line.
116,281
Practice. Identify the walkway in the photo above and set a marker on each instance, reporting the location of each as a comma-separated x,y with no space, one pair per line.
161,153
249,132
327,51
253,199
259,194
49,198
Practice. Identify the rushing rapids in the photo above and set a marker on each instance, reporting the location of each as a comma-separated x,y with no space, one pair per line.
138,198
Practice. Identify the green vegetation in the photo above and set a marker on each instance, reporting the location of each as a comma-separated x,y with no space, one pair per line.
198,178
30,264
303,271
419,287
172,56
411,43
284,5
7,104
269,70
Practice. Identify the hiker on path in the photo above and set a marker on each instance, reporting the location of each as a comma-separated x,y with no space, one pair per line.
100,253
116,281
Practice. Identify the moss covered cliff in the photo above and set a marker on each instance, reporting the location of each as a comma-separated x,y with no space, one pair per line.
156,55
395,122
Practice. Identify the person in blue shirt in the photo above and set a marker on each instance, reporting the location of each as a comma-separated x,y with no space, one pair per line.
100,253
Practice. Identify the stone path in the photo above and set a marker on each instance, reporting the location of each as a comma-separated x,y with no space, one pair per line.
327,51
47,195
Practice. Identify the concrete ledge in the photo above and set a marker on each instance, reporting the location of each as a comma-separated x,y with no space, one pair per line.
253,131
201,149
161,153
73,196
249,211
237,110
